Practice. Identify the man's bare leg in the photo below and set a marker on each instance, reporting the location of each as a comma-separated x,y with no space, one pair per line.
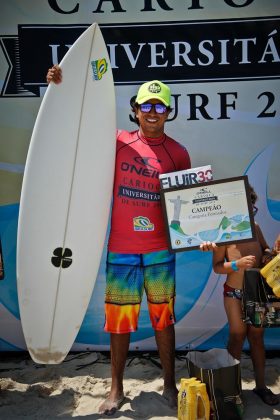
119,350
165,340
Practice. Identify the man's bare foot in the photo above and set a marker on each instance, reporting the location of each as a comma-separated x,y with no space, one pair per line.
111,405
171,395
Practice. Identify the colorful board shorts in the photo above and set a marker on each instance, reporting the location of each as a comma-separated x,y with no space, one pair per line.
127,277
231,292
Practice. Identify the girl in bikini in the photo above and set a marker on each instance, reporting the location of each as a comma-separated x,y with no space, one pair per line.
232,260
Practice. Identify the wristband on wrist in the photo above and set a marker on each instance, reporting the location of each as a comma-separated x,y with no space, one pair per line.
234,266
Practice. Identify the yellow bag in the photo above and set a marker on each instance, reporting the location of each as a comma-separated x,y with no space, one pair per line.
271,272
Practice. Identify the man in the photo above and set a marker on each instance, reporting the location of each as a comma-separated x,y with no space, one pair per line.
138,256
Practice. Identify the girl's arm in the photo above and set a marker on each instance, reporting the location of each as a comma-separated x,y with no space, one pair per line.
221,266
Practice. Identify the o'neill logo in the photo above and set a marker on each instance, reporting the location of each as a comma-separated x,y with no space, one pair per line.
148,161
99,68
62,257
149,167
141,223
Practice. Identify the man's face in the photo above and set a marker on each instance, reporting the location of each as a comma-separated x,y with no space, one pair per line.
151,123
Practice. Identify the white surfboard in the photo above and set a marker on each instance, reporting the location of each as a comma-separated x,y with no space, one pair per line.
65,200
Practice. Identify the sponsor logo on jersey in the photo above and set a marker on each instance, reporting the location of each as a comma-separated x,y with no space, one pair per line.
141,223
149,167
147,161
138,194
99,67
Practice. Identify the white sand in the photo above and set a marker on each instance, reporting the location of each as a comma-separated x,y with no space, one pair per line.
76,388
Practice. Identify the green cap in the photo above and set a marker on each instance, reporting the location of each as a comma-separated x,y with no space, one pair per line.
154,90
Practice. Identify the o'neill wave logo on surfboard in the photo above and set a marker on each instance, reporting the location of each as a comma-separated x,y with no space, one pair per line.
99,67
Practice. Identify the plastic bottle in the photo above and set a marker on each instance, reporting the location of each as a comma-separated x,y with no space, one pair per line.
182,396
193,400
271,272
191,412
239,407
203,403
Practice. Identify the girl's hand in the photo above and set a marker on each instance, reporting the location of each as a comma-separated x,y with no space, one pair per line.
246,262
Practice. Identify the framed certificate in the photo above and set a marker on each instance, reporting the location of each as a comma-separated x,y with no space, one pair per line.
216,211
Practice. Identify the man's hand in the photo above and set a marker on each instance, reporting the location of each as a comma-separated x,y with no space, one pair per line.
208,246
54,75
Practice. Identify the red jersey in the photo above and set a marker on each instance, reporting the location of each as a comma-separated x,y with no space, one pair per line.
137,225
